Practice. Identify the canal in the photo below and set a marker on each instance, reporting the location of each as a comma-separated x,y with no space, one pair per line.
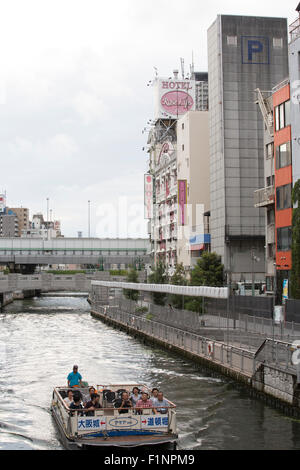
41,339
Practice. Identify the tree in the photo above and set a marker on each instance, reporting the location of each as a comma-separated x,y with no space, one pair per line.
132,277
295,271
178,279
158,276
209,271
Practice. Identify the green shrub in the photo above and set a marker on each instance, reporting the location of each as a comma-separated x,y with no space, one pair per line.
141,309
118,272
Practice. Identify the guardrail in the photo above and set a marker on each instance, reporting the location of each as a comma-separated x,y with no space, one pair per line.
233,357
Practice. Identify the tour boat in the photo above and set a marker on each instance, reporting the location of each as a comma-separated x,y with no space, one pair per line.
110,428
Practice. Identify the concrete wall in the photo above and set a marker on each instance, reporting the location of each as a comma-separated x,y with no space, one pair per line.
193,166
53,282
294,64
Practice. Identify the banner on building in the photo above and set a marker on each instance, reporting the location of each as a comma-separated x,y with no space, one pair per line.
182,200
2,203
148,196
173,97
285,289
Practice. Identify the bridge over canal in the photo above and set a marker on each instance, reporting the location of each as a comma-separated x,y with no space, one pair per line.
24,254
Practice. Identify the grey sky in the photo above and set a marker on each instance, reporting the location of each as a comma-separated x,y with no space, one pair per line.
74,100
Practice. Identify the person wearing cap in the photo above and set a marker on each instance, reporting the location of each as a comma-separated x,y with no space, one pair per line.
74,378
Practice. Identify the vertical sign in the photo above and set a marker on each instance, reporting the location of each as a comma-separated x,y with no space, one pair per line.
148,196
2,202
182,200
285,290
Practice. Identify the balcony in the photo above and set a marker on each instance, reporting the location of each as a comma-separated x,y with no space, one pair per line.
294,30
264,197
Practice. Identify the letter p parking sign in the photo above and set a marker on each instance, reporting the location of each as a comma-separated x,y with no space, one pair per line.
255,50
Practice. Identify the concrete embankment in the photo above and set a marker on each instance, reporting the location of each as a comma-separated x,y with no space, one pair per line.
276,383
8,297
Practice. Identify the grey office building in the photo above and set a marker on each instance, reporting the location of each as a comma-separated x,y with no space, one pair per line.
244,53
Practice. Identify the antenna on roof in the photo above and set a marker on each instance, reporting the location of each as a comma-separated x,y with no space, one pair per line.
182,67
192,67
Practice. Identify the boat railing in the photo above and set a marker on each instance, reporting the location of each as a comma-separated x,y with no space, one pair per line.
109,419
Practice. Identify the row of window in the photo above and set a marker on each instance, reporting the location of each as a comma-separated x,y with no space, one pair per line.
282,115
283,154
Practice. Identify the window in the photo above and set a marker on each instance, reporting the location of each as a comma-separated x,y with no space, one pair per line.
269,150
284,197
231,40
283,155
277,43
270,217
282,115
284,238
270,180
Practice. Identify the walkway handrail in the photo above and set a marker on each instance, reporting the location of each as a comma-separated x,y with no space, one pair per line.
194,291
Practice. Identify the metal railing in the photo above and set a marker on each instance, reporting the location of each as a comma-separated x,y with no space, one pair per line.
294,29
264,196
238,359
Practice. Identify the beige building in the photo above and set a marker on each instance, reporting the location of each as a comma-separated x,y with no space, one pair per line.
23,218
193,187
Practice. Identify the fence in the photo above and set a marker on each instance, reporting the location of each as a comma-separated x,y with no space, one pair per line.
228,332
233,357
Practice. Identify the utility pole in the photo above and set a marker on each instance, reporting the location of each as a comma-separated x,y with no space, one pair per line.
47,218
89,218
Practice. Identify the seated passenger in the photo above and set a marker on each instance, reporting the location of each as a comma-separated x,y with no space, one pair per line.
161,402
135,396
69,398
88,397
154,392
145,402
92,404
76,403
123,403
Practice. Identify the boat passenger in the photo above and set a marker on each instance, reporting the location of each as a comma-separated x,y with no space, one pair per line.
154,393
69,398
88,397
123,403
135,395
161,402
92,404
74,378
76,403
145,402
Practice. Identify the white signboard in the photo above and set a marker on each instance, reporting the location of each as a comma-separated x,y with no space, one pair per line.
91,423
156,421
173,97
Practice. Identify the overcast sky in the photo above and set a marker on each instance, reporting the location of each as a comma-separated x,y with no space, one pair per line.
74,99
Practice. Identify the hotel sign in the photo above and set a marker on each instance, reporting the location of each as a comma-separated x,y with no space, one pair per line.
173,98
